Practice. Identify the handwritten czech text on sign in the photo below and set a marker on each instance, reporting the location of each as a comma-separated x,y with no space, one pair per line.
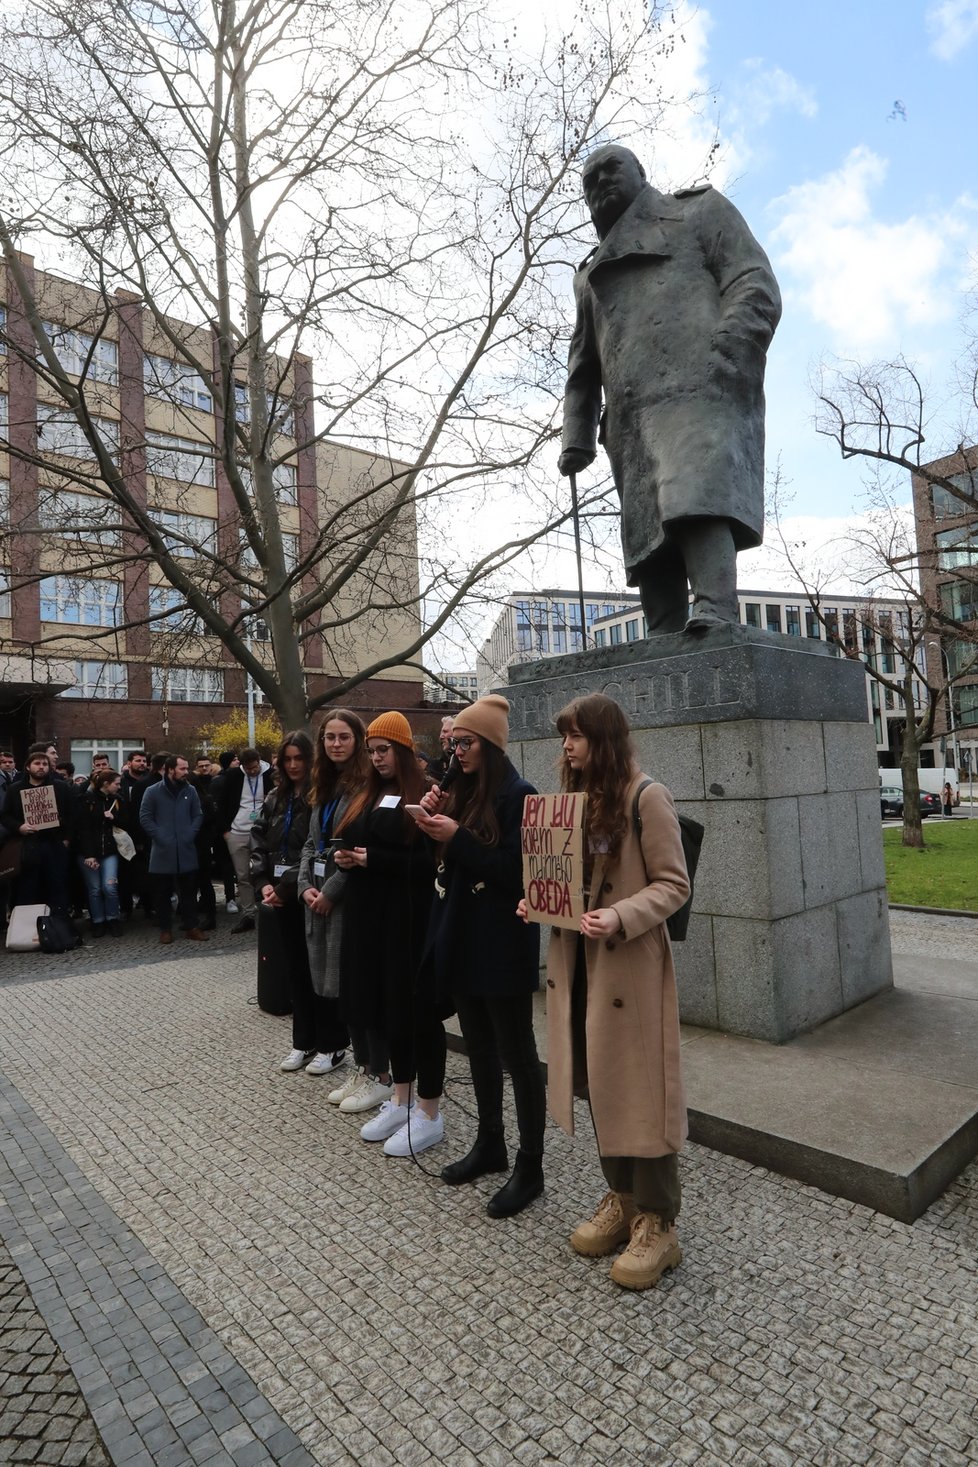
40,807
552,842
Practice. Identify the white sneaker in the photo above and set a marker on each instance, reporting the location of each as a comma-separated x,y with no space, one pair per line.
321,1064
390,1118
294,1060
232,907
368,1094
416,1135
352,1082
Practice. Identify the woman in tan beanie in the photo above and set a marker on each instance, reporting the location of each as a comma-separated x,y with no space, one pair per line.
484,961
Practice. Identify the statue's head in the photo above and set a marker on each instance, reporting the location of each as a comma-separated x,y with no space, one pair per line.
613,179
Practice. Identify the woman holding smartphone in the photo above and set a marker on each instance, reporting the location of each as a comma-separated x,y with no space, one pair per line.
386,903
482,955
319,1035
612,1007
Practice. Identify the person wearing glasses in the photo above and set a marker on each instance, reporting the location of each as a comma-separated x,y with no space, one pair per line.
386,903
485,961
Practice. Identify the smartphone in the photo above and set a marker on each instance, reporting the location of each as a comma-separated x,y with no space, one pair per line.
415,810
341,843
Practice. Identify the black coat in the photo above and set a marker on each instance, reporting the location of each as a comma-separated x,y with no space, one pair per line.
385,917
277,840
67,803
476,944
93,833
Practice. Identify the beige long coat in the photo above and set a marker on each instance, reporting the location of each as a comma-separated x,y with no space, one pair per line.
633,1056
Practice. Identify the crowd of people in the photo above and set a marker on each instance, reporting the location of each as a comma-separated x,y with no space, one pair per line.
389,887
129,841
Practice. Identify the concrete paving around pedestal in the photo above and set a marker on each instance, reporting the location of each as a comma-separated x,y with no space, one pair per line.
232,1277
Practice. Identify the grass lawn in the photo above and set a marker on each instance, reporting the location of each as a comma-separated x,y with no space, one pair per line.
943,874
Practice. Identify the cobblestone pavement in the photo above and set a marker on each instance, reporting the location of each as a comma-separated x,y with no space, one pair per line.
235,1278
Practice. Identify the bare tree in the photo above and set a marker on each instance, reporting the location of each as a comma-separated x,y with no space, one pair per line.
247,186
894,629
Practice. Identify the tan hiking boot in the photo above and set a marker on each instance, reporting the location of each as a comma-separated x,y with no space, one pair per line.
607,1229
652,1250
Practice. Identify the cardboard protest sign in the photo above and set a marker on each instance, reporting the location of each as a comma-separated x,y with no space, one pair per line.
40,807
552,842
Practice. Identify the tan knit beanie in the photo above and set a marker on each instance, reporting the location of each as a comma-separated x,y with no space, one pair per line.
487,717
393,726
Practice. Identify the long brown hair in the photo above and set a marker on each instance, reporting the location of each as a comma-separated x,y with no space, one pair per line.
300,740
610,765
328,778
408,781
470,799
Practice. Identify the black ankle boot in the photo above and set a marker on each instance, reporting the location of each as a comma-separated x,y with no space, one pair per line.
523,1187
487,1155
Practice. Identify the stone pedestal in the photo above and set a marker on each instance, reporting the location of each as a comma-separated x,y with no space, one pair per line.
765,740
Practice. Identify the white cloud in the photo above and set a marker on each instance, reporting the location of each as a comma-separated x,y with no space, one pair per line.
866,280
953,25
766,90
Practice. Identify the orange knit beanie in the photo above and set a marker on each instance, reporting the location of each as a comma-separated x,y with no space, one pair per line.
393,726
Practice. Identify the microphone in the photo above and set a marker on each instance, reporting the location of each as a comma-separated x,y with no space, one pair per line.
451,774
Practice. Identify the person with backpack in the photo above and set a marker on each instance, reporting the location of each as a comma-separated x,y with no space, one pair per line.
612,1005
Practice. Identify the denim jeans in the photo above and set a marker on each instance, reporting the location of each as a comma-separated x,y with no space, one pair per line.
102,889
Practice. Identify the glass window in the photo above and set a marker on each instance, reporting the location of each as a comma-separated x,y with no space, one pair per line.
966,706
4,594
600,637
285,478
960,600
171,457
99,680
523,633
186,533
170,613
94,358
75,601
849,630
957,547
78,516
540,613
281,414
752,613
813,627
772,618
631,630
615,633
58,431
947,505
792,620
188,685
962,657
831,617
83,750
176,382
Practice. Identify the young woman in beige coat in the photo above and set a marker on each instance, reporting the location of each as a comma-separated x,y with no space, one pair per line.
612,1008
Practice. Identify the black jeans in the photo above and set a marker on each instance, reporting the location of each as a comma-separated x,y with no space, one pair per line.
316,1022
370,1050
420,1052
185,885
498,1034
45,874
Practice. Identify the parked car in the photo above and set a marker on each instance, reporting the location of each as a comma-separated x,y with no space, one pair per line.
891,803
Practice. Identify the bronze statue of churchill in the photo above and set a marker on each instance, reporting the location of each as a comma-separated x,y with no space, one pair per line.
676,308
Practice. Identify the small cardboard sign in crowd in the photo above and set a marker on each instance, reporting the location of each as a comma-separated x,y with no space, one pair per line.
552,842
40,807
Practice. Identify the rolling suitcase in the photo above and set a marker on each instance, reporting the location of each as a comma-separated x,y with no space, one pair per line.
273,958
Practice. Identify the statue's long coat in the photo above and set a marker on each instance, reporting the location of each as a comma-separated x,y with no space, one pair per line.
675,311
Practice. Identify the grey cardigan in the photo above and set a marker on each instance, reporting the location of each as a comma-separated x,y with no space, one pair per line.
324,935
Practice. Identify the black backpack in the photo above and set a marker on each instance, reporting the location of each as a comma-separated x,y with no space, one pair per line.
692,834
57,934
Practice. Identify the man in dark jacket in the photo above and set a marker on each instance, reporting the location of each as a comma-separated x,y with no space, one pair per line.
171,816
134,875
45,868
